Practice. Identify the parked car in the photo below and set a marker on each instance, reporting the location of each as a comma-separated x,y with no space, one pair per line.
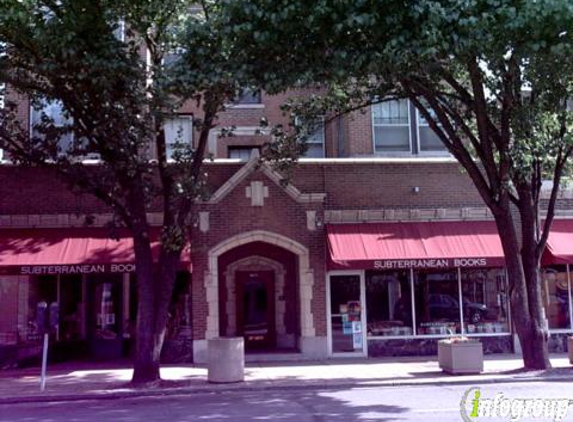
447,307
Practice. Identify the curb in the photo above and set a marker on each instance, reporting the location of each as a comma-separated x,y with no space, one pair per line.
246,387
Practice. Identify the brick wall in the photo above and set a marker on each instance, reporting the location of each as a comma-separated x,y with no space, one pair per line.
348,186
359,133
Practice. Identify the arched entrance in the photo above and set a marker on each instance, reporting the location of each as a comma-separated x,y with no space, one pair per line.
218,309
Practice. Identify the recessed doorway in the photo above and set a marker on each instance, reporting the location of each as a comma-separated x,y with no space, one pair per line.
256,309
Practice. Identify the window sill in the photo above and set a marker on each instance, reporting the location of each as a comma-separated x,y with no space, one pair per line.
244,106
431,336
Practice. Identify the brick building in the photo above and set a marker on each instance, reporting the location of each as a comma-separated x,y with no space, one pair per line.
379,245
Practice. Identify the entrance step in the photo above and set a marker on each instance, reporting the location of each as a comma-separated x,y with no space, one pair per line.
274,357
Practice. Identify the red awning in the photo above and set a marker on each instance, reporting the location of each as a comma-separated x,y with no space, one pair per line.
559,248
68,251
414,245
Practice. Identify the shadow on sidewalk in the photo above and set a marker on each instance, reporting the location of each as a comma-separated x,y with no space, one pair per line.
334,406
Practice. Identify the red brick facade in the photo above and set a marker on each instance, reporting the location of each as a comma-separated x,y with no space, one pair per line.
353,186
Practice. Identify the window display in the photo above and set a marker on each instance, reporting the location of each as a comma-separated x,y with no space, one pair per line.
389,303
555,294
40,289
485,300
437,303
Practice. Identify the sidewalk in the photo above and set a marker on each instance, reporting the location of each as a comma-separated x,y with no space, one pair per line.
84,380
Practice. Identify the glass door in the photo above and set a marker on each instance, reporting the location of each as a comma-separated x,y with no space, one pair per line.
346,315
105,328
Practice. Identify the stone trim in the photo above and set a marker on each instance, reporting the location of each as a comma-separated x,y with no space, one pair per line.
306,277
57,221
254,164
415,214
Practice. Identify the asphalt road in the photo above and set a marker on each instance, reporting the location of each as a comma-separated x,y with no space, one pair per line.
429,403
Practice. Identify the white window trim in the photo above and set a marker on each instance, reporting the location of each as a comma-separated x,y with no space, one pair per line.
189,117
245,106
323,143
391,153
238,131
443,153
90,158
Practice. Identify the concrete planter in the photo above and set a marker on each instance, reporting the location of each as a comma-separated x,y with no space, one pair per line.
226,359
570,348
461,357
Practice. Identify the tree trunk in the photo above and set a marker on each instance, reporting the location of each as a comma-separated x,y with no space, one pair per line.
525,313
154,297
535,347
147,348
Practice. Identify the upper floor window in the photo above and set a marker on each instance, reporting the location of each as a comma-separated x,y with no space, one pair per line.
178,134
248,96
399,128
119,31
241,152
315,138
428,140
54,111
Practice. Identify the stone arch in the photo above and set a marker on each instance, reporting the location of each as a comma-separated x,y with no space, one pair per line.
305,278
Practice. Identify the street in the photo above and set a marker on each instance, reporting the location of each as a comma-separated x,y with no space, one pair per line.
424,403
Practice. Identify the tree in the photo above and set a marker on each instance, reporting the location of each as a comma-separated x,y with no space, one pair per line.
491,77
119,69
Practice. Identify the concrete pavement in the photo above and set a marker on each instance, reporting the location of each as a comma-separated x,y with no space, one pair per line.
84,380
430,403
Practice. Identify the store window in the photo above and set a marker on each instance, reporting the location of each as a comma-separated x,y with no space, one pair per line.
437,302
179,323
9,287
485,301
555,293
40,289
389,304
72,308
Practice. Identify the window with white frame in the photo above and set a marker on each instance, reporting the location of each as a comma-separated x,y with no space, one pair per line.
398,127
53,110
391,126
241,152
119,31
248,96
428,140
314,139
178,134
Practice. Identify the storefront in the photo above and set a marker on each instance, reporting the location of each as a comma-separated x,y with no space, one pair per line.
406,281
556,285
90,276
